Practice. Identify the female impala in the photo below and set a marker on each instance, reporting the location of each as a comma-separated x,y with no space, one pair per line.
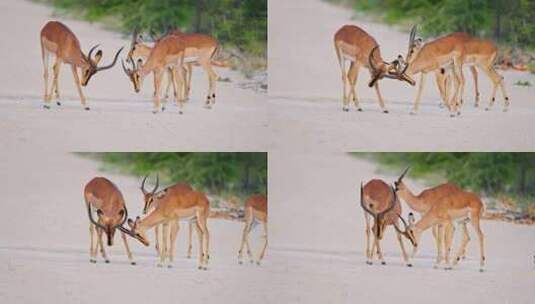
199,48
423,202
102,195
353,44
380,201
458,205
256,210
167,53
170,205
149,205
58,40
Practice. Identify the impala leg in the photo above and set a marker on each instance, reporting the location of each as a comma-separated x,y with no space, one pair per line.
78,87
189,239
418,94
261,256
462,247
460,95
92,248
200,238
157,239
170,83
368,249
175,228
438,233
476,85
188,79
353,75
127,248
441,80
403,251
55,84
380,98
467,235
46,61
481,237
212,77
178,86
345,95
101,245
448,238
246,229
380,252
206,239
158,73
163,251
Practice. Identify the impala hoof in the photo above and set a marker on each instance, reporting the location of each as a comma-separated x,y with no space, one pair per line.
345,109
481,270
448,268
385,111
383,263
92,261
159,265
412,112
409,265
46,107
487,109
369,263
133,263
87,108
107,261
257,263
58,103
169,266
199,267
180,112
359,109
240,262
163,109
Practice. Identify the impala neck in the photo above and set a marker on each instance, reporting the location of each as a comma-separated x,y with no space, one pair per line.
154,218
414,202
142,50
426,222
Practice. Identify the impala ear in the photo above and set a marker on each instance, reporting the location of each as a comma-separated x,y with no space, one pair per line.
121,212
99,212
98,56
131,223
412,220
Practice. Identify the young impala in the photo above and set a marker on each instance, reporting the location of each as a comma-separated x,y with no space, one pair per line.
58,40
379,200
353,44
171,205
149,205
166,53
423,202
256,210
102,195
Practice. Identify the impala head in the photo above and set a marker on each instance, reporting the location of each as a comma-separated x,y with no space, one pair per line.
91,68
398,184
134,72
109,221
138,233
392,70
149,196
408,232
379,217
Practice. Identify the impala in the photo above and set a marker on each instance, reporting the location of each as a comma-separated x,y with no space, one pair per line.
58,40
353,44
456,206
380,201
149,199
102,195
256,211
171,205
423,202
166,53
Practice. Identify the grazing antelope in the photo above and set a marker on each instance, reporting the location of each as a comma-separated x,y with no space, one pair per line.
102,195
171,205
381,202
166,53
149,199
353,44
256,210
58,40
458,205
423,202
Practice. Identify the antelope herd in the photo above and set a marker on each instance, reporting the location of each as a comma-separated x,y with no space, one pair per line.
445,57
163,209
173,54
440,207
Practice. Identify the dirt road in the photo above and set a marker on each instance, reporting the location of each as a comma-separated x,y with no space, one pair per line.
305,91
119,118
317,229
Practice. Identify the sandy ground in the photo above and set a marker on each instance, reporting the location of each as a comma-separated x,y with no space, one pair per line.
317,231
44,248
305,91
119,119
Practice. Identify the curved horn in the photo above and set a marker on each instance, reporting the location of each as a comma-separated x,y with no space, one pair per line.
93,220
403,174
113,63
143,184
412,36
89,58
134,37
153,35
372,64
125,217
392,204
157,184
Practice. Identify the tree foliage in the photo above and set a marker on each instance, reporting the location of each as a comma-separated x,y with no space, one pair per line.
239,23
505,21
240,174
